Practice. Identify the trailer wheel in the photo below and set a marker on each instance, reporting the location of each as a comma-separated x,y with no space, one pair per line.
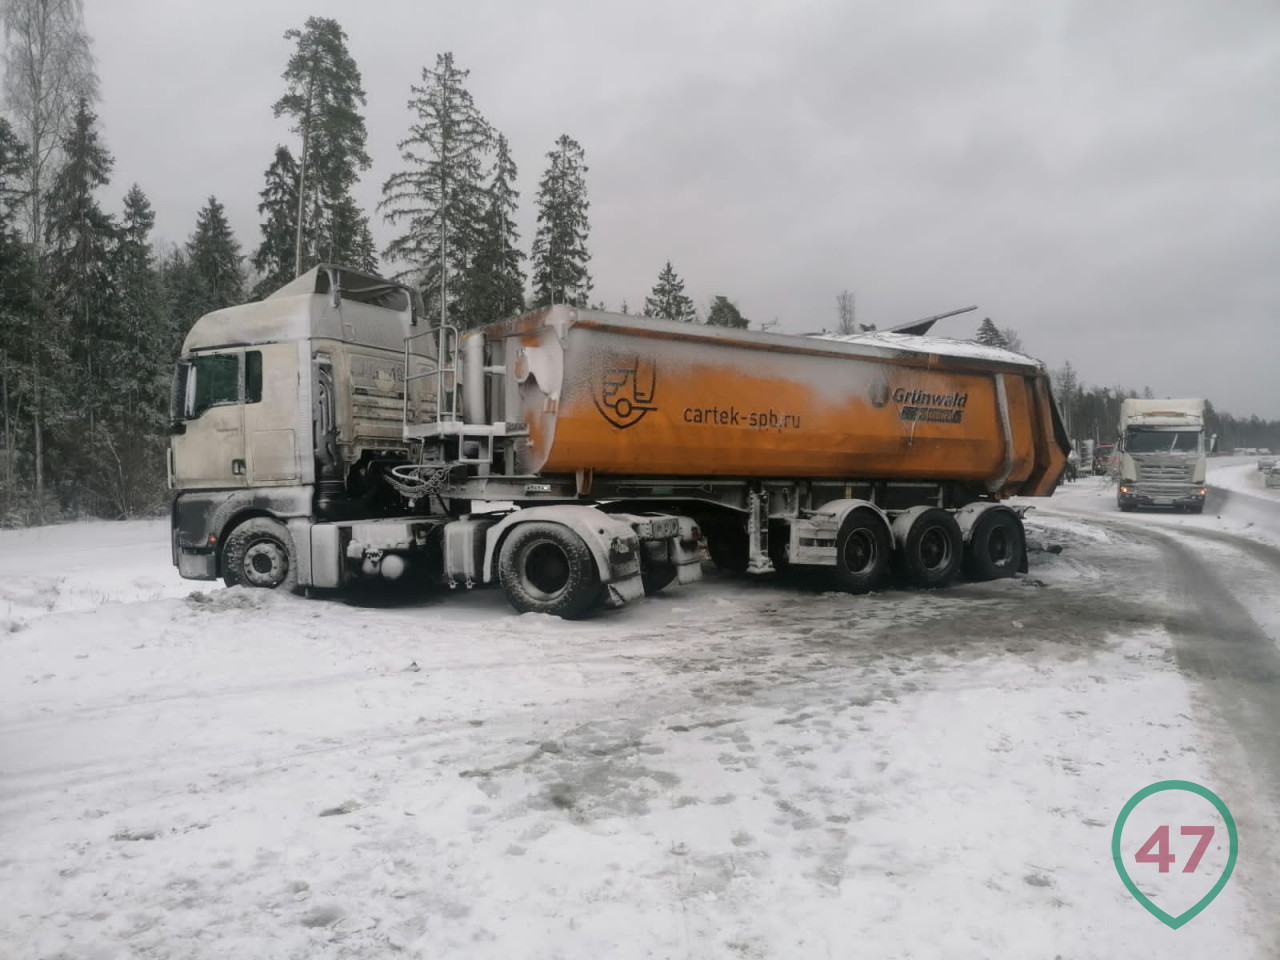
863,547
995,546
260,553
547,568
931,553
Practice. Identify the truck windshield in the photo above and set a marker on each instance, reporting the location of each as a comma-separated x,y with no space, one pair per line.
1162,441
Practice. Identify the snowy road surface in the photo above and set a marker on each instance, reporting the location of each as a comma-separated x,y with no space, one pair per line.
727,770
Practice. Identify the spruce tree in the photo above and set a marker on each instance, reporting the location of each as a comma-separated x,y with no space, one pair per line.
213,260
131,432
493,285
323,96
438,201
560,245
668,300
725,313
79,239
989,335
274,259
20,316
350,240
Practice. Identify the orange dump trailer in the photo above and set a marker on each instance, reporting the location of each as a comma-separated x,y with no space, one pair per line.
609,395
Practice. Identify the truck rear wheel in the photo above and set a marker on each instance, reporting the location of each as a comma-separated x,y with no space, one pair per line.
260,553
863,546
995,546
931,552
547,568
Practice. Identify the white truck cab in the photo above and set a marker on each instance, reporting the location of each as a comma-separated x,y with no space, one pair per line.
1163,453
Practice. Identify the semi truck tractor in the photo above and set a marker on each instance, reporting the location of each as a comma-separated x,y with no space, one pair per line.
332,433
1162,453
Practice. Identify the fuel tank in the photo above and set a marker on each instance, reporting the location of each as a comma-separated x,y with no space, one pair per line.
625,395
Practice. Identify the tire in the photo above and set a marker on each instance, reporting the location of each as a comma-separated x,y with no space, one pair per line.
1196,508
657,577
932,552
260,553
995,546
547,568
863,551
1124,507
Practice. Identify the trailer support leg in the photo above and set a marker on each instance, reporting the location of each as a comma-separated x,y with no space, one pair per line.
758,534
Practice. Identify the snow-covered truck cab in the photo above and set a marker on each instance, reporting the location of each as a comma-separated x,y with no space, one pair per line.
1163,454
287,410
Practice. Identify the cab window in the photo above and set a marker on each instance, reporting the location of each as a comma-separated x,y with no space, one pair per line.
212,380
218,378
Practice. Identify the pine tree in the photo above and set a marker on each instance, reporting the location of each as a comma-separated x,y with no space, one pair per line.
274,260
438,200
323,97
668,300
79,238
725,313
213,261
989,335
493,286
560,246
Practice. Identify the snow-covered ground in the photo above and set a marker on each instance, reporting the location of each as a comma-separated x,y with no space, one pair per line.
731,769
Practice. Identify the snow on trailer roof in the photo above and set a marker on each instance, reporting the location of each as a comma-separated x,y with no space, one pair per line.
877,345
941,346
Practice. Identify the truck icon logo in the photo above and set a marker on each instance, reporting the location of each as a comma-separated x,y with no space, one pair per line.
623,390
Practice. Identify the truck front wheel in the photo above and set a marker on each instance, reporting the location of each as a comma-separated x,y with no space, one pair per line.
259,553
547,568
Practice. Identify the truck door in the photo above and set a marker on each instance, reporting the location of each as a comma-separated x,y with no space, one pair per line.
208,445
271,404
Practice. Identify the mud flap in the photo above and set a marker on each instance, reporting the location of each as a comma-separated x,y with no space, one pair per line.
618,592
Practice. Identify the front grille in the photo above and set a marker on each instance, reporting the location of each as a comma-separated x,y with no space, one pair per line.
1167,478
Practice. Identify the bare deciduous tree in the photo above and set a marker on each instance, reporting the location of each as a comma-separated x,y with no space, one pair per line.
49,69
848,311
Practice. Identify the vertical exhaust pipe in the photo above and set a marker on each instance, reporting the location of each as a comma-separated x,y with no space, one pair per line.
473,378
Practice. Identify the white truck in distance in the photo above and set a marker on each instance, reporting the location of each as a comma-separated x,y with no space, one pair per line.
1162,454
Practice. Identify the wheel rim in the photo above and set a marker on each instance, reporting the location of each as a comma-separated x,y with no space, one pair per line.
1000,546
545,570
860,551
265,564
935,549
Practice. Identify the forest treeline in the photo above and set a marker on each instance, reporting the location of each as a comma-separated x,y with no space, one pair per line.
92,315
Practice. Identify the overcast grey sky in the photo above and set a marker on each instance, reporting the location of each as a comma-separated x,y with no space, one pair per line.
1103,176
